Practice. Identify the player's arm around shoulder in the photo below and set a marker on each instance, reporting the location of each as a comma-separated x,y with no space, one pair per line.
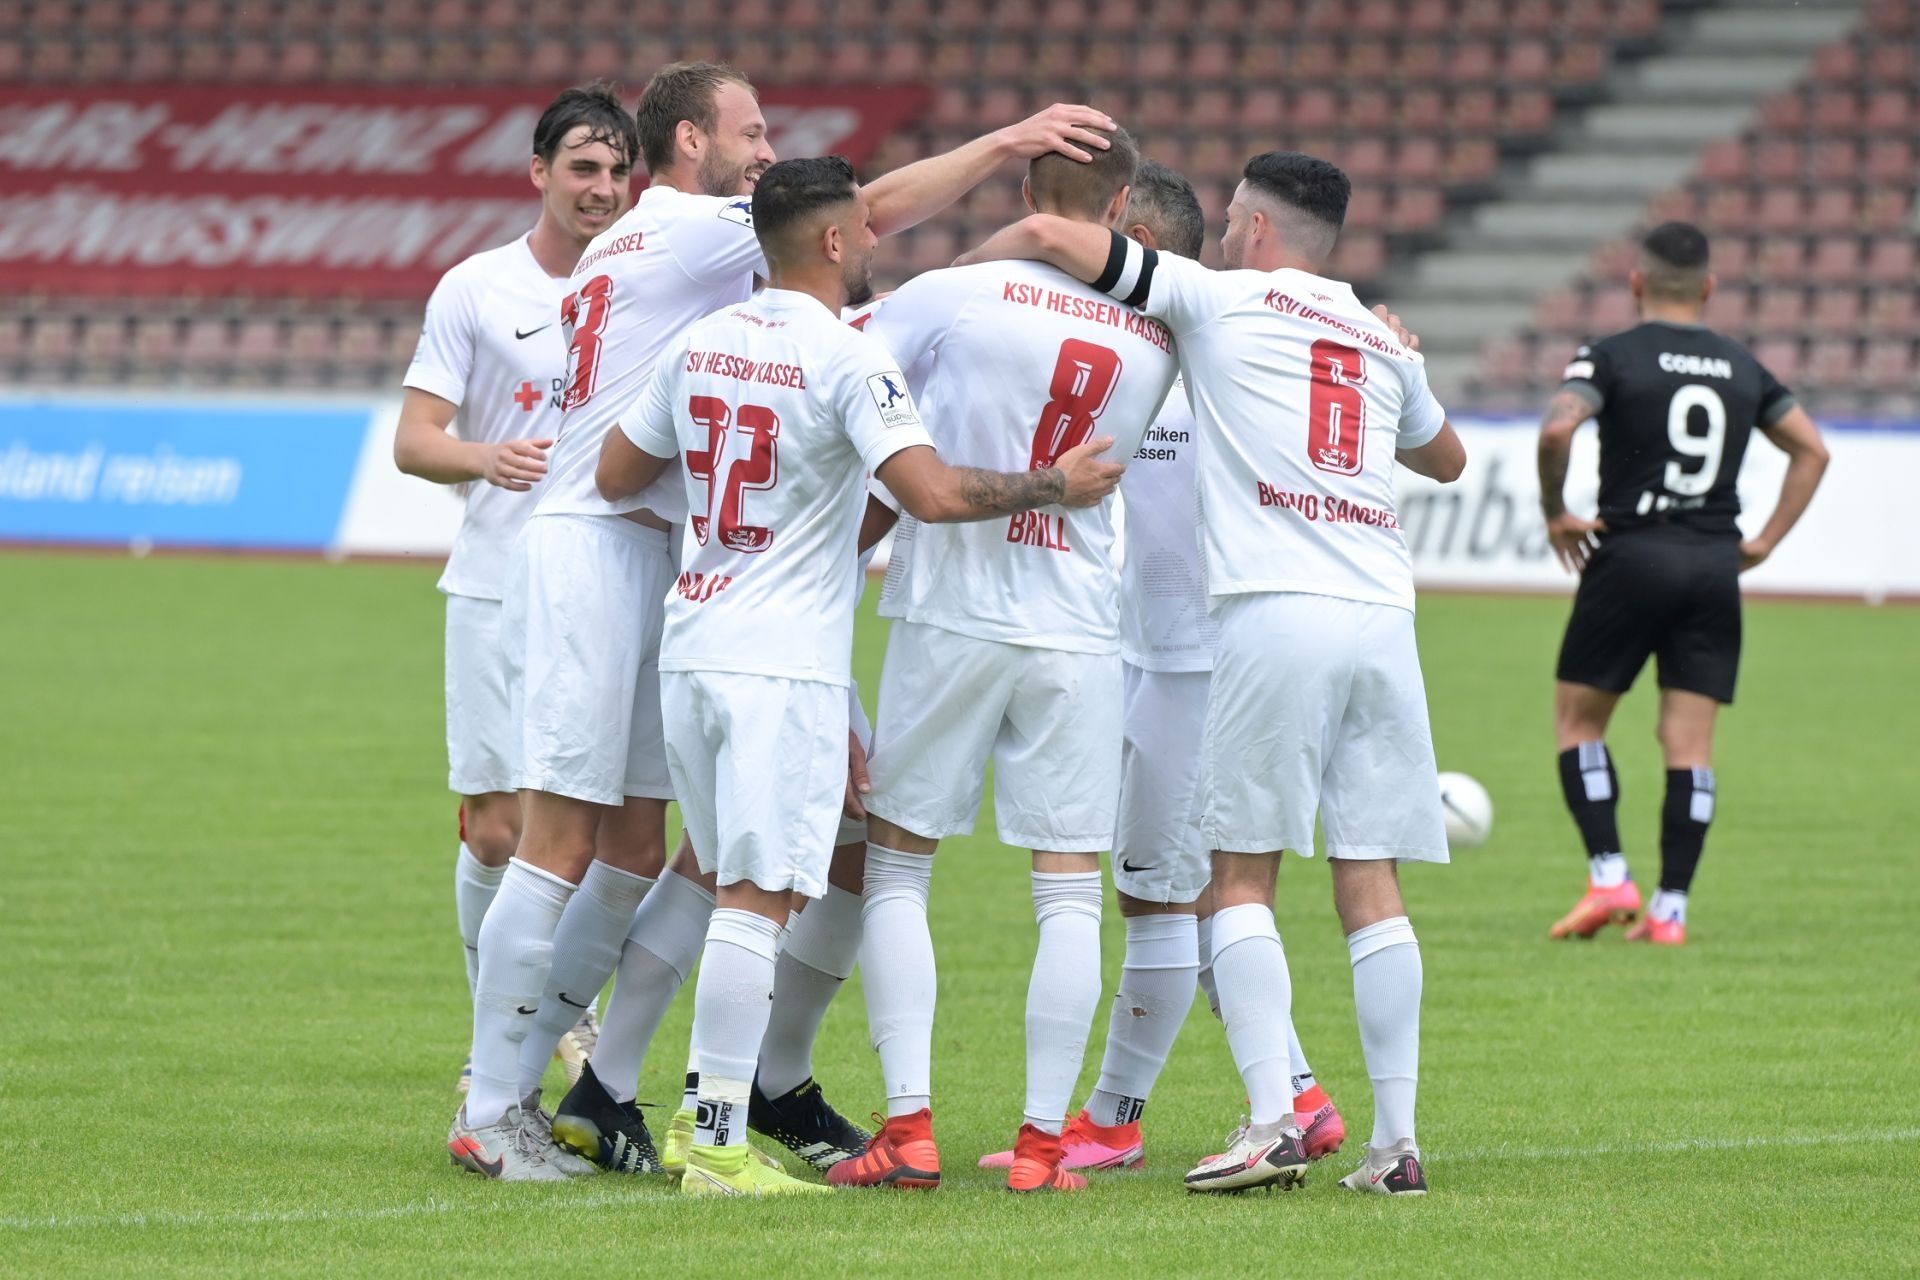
933,492
1794,434
643,443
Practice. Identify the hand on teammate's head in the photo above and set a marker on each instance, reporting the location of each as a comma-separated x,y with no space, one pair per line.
1073,131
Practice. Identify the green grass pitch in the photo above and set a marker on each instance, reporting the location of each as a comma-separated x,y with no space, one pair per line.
234,1006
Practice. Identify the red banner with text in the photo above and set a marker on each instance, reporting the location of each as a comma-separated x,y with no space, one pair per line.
308,191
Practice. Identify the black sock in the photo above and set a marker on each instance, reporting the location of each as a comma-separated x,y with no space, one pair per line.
1592,791
1683,826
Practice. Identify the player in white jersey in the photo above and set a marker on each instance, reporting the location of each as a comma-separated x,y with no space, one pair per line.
1303,400
778,409
1005,646
1161,866
585,595
490,364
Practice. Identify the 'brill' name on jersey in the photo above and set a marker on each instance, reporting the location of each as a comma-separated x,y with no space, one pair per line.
1695,366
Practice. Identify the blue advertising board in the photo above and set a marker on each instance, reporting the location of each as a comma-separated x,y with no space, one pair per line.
254,475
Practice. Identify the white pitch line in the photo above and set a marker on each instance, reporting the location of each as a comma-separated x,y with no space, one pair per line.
601,1200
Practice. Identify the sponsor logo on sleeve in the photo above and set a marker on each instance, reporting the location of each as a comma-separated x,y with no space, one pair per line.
889,392
1579,369
740,211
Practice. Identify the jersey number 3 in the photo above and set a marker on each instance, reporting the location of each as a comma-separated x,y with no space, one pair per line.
1084,376
760,469
1336,412
585,314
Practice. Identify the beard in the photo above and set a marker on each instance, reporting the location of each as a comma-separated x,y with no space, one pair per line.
860,288
719,177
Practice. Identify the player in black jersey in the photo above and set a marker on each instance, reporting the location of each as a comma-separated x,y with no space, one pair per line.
1659,569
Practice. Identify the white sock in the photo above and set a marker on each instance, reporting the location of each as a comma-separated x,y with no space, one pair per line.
474,884
1669,906
1208,987
1063,993
1302,1073
730,1005
1256,1002
896,964
1156,990
516,950
586,947
823,943
1607,870
663,944
1386,998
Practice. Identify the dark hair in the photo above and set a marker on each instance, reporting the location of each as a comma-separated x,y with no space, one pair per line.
680,91
1307,183
1084,188
1166,203
595,105
791,192
1680,245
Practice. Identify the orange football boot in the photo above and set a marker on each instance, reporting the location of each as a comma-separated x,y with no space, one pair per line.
1598,909
1663,933
901,1154
1037,1159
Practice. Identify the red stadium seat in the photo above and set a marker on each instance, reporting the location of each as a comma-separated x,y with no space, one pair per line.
1836,311
1830,363
1780,311
1781,356
1890,365
1781,260
1890,260
1836,260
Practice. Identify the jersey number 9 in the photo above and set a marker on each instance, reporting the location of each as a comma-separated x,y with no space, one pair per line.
1679,481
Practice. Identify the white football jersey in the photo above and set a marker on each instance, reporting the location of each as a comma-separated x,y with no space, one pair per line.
1301,396
670,260
777,411
1015,363
491,344
1164,622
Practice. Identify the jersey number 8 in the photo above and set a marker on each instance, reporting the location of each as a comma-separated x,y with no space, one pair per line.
1084,376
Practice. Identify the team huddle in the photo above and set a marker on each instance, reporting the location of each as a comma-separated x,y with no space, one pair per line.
686,424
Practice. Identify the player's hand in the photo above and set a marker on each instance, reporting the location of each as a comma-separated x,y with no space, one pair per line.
517,464
1574,540
1408,339
1061,127
1754,553
1090,478
858,783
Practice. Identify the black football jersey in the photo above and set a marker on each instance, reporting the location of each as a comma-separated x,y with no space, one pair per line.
1677,405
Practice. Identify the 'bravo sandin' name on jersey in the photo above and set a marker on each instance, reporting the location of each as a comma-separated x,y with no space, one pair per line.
778,411
491,344
670,260
1301,396
1015,363
1676,404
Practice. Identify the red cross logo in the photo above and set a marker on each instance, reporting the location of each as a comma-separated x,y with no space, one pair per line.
526,397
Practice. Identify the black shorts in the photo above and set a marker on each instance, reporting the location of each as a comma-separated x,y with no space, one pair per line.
1672,593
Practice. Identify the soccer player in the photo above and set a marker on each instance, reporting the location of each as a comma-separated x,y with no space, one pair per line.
1303,400
1005,646
584,601
779,409
490,364
1660,568
1160,860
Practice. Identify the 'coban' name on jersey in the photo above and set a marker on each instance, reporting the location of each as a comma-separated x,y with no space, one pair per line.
1696,366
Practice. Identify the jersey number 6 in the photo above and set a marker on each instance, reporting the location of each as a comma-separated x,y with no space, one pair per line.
1084,376
1336,412
760,469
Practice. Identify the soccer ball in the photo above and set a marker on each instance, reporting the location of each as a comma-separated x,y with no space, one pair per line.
1469,811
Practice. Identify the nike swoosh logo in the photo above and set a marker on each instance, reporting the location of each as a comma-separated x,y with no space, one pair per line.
1129,867
530,332
525,1009
575,1003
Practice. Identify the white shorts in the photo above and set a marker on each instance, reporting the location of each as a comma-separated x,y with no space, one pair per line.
1317,704
1159,854
479,720
1049,720
854,830
761,765
585,601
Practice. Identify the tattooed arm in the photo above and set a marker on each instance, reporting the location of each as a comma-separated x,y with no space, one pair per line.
935,493
1572,537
